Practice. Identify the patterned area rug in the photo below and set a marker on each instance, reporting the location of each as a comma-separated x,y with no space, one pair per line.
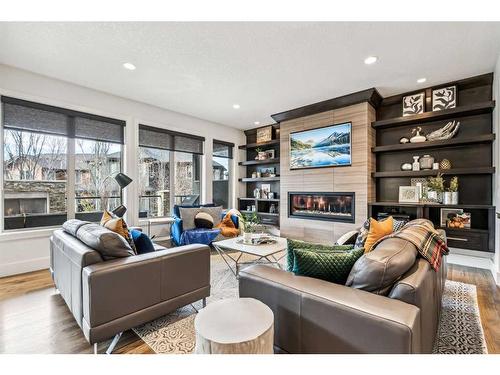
459,332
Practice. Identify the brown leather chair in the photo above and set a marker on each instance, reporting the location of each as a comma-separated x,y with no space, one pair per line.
109,297
316,316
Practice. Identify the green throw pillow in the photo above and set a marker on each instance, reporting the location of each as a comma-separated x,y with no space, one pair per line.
296,244
333,266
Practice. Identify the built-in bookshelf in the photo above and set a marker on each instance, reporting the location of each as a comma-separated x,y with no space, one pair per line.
470,153
263,206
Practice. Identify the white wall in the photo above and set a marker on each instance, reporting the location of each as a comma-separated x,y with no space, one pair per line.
28,251
496,158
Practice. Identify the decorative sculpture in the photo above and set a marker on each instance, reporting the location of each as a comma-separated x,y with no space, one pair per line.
446,132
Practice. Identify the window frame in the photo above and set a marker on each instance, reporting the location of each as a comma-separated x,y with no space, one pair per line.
70,162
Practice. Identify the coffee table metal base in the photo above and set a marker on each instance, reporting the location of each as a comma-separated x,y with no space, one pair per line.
226,256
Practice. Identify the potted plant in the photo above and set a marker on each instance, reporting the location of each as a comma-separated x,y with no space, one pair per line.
435,188
250,224
451,196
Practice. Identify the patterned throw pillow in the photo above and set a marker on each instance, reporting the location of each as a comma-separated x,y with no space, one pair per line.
333,266
398,225
117,225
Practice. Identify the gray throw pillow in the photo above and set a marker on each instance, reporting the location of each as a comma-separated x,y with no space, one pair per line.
187,216
215,212
71,226
107,243
378,270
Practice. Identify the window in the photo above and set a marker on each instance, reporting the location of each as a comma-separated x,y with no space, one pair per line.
154,178
169,169
37,143
187,178
221,170
94,161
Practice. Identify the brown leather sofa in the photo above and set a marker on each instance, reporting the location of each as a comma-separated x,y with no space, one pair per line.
316,316
109,297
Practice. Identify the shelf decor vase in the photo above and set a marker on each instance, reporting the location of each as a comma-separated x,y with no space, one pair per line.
426,162
247,237
435,196
447,197
454,197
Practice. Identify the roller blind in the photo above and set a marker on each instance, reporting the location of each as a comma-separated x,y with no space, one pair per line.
169,140
35,117
223,149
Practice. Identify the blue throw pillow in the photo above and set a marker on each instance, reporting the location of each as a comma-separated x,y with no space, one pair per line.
142,242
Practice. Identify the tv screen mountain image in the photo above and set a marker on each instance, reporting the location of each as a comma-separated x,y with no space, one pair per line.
328,146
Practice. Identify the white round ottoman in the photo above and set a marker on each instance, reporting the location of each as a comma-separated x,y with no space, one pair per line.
235,326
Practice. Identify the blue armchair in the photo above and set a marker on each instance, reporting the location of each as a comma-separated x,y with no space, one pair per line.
181,237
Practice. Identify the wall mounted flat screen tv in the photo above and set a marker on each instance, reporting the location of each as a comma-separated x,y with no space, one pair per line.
328,146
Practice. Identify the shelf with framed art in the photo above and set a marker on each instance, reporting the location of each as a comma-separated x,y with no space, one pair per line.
434,159
262,174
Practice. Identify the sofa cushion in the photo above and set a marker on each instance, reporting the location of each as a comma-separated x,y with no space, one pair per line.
71,226
379,269
203,220
142,242
106,242
330,265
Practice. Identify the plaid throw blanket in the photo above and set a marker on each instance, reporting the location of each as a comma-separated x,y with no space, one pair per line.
426,239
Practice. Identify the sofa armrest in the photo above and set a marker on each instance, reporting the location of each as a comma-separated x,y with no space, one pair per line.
316,316
119,287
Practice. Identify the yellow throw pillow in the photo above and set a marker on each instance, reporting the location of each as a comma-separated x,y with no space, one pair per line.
117,225
378,229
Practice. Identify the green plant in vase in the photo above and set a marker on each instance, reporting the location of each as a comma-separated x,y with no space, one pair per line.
435,188
451,196
250,223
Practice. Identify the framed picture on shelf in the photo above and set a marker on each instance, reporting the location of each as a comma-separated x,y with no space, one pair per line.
270,154
268,172
265,189
448,214
444,98
264,134
408,194
413,104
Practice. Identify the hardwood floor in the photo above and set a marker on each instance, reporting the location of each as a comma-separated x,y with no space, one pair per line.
35,319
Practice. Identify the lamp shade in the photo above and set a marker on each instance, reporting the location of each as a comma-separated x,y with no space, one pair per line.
120,210
123,180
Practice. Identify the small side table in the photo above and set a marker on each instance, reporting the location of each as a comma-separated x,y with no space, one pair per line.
235,326
160,220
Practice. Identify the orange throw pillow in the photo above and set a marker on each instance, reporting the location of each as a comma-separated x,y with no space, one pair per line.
378,229
226,226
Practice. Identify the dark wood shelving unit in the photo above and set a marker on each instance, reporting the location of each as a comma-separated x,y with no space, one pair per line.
470,153
273,142
260,162
483,138
262,205
447,114
259,179
434,172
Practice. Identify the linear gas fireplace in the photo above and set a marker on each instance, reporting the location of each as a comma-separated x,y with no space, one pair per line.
321,206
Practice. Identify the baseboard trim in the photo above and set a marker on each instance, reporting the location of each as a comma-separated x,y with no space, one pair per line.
30,265
470,261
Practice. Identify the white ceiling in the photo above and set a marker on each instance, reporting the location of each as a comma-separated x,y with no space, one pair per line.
202,69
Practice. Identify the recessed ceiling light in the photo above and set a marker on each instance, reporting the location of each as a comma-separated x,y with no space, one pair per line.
371,60
256,123
421,80
236,106
129,66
